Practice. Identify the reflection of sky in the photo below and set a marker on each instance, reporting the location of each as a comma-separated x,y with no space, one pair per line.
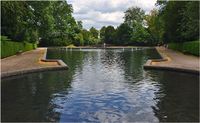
101,86
101,92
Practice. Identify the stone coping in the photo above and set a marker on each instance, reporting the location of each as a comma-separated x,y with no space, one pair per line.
148,65
62,66
134,47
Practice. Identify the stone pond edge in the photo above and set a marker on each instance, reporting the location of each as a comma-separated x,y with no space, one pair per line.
148,66
62,66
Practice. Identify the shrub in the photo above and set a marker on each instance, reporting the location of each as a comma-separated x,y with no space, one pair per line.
186,47
71,46
9,48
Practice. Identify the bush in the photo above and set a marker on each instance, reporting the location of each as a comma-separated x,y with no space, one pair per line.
71,46
9,48
186,47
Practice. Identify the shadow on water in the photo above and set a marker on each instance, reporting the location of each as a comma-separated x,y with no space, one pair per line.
177,98
27,98
101,86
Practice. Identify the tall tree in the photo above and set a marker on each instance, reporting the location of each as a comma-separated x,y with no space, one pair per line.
134,15
94,32
52,21
123,34
140,35
78,40
109,35
189,25
171,15
86,36
155,26
17,21
102,33
134,18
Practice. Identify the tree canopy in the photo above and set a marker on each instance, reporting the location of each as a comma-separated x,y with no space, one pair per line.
173,22
48,22
51,24
180,20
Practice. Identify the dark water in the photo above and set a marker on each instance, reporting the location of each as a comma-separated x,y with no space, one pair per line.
101,86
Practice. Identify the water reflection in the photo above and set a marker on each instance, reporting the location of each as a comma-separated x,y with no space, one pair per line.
177,98
101,86
27,98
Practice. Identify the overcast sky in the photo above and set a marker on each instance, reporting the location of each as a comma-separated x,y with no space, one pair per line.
98,13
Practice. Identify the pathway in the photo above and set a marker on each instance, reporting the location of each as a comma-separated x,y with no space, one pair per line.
175,60
27,62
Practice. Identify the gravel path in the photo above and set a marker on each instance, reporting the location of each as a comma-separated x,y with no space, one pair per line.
177,60
26,61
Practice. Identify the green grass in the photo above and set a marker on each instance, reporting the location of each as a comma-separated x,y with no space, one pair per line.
186,47
9,48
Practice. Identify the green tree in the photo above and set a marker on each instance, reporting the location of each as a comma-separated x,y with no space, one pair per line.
180,20
123,34
134,18
55,22
140,35
109,35
80,25
94,32
155,26
86,36
52,21
79,39
171,17
189,25
102,33
134,15
17,21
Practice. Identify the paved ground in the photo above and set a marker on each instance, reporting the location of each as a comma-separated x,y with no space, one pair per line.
26,61
177,60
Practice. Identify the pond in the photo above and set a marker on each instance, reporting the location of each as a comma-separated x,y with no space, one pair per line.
101,86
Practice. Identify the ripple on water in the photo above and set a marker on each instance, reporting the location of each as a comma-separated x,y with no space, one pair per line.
102,86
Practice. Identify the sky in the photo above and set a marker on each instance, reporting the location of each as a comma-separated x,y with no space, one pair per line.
98,13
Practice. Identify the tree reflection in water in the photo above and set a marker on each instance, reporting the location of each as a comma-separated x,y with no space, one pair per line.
177,98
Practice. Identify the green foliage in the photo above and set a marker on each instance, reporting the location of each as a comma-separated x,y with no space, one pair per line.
180,21
52,21
79,41
189,26
86,36
102,33
89,37
71,46
139,35
172,17
9,48
155,26
123,34
186,47
51,24
131,32
94,32
134,15
17,21
109,35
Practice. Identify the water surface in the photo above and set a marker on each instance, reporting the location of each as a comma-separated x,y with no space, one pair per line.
101,86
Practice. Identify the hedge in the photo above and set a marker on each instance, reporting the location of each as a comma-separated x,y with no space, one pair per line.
186,47
9,48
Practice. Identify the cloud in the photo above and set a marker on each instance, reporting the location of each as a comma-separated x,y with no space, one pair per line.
98,13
